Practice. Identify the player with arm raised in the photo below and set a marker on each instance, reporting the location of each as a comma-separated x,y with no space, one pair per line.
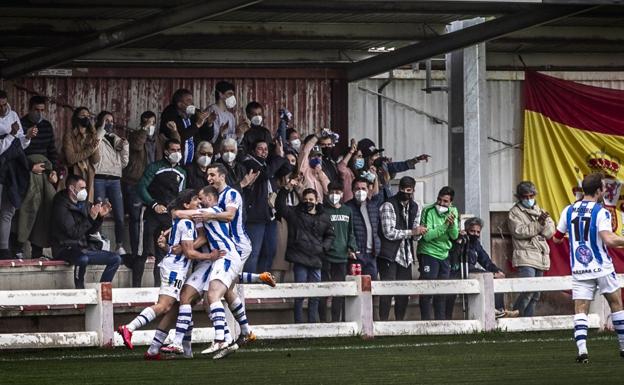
588,226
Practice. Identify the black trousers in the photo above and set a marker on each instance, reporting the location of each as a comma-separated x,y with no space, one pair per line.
333,272
392,271
432,268
154,224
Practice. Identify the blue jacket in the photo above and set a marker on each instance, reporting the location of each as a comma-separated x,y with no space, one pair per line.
473,252
359,226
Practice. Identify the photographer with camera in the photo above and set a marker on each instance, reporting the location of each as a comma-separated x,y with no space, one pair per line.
466,252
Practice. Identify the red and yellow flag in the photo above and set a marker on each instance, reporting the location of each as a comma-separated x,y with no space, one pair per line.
571,130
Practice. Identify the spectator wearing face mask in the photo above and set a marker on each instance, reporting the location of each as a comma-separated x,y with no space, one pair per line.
159,186
400,227
256,131
293,141
353,165
74,219
221,118
185,122
258,198
81,148
237,176
311,167
365,208
142,142
386,169
530,228
196,172
43,143
280,266
310,238
114,154
326,142
343,249
34,214
442,222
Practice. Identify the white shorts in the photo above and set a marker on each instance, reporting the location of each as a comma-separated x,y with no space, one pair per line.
244,249
171,281
226,270
586,288
199,278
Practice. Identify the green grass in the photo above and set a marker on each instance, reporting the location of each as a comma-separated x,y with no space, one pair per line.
510,358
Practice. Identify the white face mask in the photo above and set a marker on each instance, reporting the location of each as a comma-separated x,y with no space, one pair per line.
230,102
190,110
361,195
256,120
442,209
204,160
228,156
334,198
296,144
151,129
82,195
175,157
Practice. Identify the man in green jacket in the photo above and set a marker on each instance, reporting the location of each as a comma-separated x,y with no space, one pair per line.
442,222
343,248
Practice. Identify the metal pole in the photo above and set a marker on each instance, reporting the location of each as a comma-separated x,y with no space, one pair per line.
461,39
124,34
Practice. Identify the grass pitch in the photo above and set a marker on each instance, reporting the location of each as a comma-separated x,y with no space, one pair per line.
496,358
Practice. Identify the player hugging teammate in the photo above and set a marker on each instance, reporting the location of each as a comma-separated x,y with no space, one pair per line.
217,229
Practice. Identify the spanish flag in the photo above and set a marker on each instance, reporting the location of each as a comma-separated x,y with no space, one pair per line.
571,130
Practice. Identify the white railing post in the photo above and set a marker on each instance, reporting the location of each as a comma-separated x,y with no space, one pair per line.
359,309
99,317
481,306
600,307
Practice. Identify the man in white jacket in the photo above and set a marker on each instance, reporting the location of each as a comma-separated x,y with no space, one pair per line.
10,130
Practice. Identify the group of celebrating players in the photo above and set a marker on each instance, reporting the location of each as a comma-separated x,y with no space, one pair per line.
207,227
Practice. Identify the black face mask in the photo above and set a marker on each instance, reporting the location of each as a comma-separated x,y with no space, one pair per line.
84,122
308,206
473,238
403,196
326,151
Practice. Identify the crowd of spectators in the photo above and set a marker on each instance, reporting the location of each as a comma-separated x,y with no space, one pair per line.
309,210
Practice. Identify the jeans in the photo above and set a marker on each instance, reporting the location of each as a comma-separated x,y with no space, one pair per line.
336,272
432,268
499,298
81,258
111,189
525,303
306,274
392,271
7,210
154,224
263,238
134,208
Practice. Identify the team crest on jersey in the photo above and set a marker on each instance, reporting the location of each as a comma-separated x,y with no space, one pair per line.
584,255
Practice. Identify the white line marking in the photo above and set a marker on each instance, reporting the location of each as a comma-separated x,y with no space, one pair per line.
320,348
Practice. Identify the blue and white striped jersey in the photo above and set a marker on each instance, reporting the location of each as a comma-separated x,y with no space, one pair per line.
218,233
583,221
229,197
181,230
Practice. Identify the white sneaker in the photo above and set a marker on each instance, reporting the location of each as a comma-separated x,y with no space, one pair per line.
215,347
121,250
225,352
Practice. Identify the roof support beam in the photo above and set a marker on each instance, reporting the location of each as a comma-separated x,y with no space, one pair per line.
460,39
121,35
